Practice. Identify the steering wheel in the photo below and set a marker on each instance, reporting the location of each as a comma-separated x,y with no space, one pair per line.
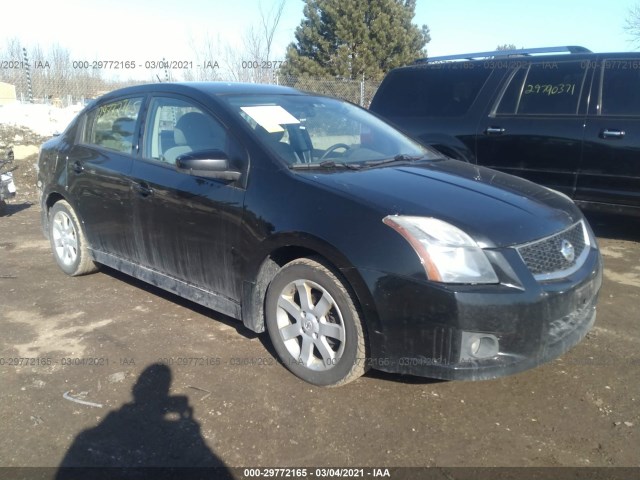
334,147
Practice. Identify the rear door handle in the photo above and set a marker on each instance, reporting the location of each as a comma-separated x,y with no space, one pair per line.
494,131
143,189
606,133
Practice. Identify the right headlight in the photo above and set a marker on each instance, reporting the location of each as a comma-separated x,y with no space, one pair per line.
447,253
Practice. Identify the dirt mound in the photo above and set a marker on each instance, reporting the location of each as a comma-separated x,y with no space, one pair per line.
12,135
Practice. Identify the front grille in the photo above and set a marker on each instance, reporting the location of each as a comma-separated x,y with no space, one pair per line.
545,257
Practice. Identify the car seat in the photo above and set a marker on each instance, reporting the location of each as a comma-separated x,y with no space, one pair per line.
193,132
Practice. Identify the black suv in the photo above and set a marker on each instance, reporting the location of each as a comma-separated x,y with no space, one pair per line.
569,121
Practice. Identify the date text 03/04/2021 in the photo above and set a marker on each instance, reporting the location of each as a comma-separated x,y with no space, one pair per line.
316,472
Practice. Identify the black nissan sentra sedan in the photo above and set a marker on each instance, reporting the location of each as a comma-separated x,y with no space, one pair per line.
352,245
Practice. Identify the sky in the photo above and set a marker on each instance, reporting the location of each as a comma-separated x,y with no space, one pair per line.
144,30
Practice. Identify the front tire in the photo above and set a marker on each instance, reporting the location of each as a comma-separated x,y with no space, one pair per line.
314,324
68,243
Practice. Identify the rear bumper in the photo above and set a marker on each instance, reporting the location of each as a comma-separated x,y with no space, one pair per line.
424,328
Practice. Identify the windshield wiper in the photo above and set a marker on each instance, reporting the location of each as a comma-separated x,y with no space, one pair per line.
327,164
401,158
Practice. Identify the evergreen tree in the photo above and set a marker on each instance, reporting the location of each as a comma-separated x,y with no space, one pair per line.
349,39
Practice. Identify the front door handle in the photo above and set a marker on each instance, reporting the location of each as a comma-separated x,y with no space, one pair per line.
606,133
143,189
78,167
494,131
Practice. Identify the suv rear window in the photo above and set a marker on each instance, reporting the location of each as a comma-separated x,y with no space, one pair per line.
438,90
547,88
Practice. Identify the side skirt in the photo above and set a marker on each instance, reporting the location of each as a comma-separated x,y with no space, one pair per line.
183,289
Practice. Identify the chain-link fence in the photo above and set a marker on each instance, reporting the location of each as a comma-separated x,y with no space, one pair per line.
34,86
358,92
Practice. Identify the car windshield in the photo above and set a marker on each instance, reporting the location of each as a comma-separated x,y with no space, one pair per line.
317,132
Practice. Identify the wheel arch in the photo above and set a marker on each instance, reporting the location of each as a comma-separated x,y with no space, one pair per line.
53,198
49,201
282,251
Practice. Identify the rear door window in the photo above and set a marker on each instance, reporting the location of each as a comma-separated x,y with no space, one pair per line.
544,88
446,90
620,88
113,125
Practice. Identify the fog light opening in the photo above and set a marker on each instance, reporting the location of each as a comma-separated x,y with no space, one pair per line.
478,345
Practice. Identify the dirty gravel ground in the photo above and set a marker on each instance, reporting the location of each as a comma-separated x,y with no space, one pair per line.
579,410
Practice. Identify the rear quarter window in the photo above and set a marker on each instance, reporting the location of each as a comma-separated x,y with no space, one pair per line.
544,88
112,125
436,91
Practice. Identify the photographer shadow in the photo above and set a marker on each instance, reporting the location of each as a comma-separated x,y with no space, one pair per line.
155,436
9,209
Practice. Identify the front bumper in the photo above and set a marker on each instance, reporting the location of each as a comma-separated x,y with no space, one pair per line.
422,326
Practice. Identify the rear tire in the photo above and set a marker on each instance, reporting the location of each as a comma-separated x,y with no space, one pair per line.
314,324
68,243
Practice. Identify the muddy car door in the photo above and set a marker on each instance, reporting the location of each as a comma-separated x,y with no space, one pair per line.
186,226
97,165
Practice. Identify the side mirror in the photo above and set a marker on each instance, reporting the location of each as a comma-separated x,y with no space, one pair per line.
207,163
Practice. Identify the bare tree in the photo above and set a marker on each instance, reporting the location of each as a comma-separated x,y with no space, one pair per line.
54,77
269,23
235,62
208,54
258,66
251,62
60,72
12,52
40,76
632,24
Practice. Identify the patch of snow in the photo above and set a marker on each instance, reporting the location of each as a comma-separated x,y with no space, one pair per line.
45,120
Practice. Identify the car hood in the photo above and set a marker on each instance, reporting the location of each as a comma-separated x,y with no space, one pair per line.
495,208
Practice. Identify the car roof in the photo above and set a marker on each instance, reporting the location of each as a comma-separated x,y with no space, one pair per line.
207,88
435,62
